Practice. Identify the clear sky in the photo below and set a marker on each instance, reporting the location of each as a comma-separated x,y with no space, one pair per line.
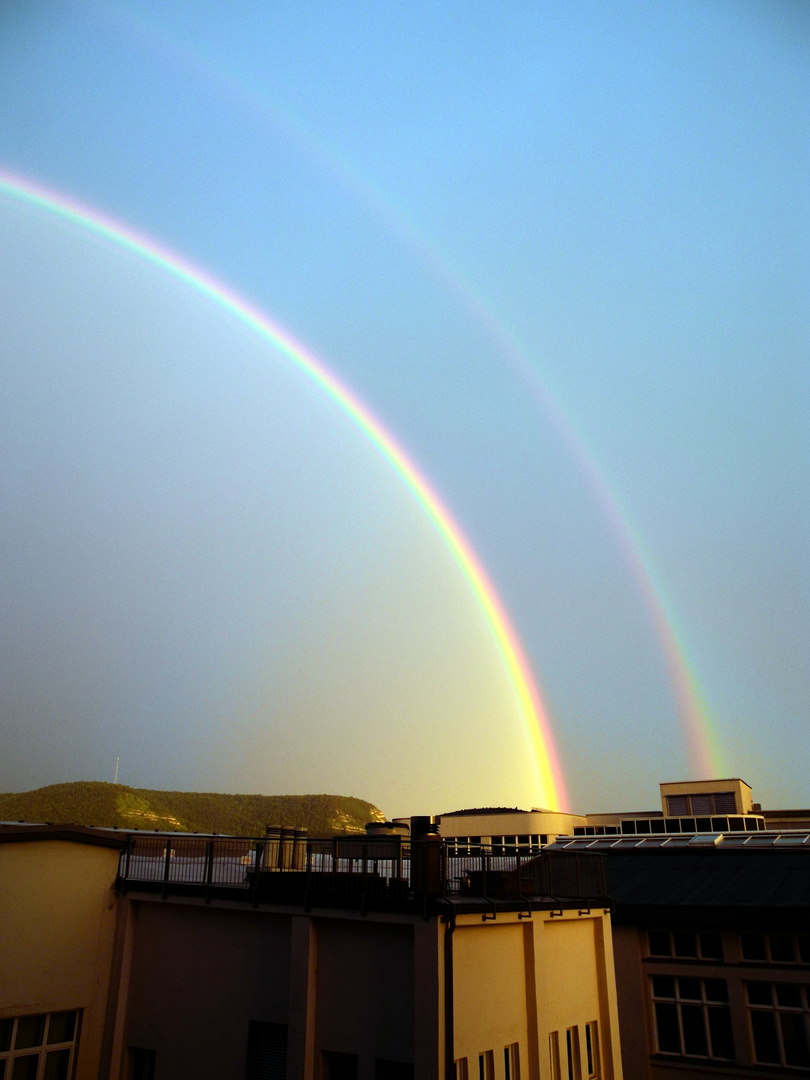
561,252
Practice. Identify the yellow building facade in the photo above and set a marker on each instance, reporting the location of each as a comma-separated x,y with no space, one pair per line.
166,969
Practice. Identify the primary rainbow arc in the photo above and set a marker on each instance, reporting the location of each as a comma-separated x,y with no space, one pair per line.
550,785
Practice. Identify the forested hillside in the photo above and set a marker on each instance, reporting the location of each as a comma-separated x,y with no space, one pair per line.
95,803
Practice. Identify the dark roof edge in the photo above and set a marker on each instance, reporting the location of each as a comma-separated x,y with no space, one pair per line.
720,916
77,834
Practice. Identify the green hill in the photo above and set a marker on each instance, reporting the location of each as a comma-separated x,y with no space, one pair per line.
94,803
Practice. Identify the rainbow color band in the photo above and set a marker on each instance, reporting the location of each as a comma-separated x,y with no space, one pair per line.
550,786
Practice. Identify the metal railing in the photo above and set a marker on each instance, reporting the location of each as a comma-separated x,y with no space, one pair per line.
345,868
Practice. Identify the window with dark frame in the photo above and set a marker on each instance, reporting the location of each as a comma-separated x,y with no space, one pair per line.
779,1021
511,1062
267,1051
140,1063
337,1066
486,1065
775,948
692,1017
392,1070
685,944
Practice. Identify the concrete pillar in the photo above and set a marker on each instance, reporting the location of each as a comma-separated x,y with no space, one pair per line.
301,1062
112,1048
428,1013
530,975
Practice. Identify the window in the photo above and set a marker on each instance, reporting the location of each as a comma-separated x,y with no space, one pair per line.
336,1066
779,1018
461,1070
140,1063
775,948
511,1062
267,1051
572,1054
392,1070
486,1065
554,1055
686,945
592,1050
692,1017
38,1047
720,802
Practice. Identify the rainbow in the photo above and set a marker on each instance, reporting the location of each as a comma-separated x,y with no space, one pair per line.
699,730
549,780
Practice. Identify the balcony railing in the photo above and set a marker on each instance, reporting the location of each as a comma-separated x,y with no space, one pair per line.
351,870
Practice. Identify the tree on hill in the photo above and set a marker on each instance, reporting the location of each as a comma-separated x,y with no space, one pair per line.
116,805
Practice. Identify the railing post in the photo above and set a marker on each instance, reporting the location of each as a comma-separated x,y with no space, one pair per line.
166,869
257,865
209,869
130,845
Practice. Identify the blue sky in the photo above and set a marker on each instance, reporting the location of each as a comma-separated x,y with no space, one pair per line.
208,573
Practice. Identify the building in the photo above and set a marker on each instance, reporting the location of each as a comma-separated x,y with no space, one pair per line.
711,927
486,945
385,957
711,934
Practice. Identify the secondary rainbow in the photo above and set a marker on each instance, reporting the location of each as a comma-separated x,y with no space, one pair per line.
550,785
700,732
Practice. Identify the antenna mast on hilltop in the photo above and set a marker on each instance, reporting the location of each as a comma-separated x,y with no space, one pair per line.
115,778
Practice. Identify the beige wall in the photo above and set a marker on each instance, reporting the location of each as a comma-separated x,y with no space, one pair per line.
490,992
518,980
535,822
57,926
742,792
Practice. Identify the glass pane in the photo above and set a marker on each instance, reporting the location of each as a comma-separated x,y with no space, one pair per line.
30,1030
781,948
61,1027
2,1068
766,1046
804,949
663,986
666,1022
659,943
753,946
711,946
689,988
57,1064
694,1031
685,944
6,1027
716,989
720,1032
25,1068
790,997
759,993
794,1039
